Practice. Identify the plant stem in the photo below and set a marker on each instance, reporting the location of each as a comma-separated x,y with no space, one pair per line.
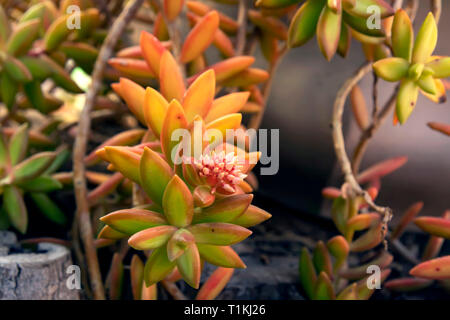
339,143
173,290
79,152
242,31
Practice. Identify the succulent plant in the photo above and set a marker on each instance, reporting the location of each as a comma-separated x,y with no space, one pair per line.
37,48
413,64
334,22
197,208
31,175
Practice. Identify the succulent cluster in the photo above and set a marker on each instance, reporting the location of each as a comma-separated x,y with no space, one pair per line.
413,64
32,175
37,47
328,273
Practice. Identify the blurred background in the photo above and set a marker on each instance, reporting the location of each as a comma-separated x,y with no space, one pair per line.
301,105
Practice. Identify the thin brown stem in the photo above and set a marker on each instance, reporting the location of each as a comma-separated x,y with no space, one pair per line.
339,143
242,31
83,210
436,8
173,290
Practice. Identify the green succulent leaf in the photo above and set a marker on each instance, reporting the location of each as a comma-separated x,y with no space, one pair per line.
361,8
39,68
125,161
22,38
406,99
222,256
155,175
308,276
33,166
189,266
324,289
402,35
131,221
427,84
49,208
15,207
328,32
17,70
303,25
137,276
252,217
109,233
5,29
391,69
217,233
158,266
321,259
440,67
225,210
3,151
151,238
178,203
178,243
41,184
425,41
18,144
360,25
9,88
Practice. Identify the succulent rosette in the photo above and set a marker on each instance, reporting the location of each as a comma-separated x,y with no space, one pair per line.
413,64
334,22
36,48
196,205
32,175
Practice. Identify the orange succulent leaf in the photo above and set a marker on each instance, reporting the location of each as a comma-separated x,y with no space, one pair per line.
230,103
172,8
436,226
132,67
370,239
200,37
155,175
178,203
359,272
160,29
363,291
109,233
133,94
229,67
202,195
150,292
200,95
131,221
125,138
155,108
215,284
271,25
247,77
407,284
381,169
226,23
137,276
407,217
223,256
152,50
170,78
225,210
124,161
228,122
331,193
339,249
438,269
440,127
363,221
175,119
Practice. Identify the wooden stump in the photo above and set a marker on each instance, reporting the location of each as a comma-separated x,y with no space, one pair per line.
39,275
